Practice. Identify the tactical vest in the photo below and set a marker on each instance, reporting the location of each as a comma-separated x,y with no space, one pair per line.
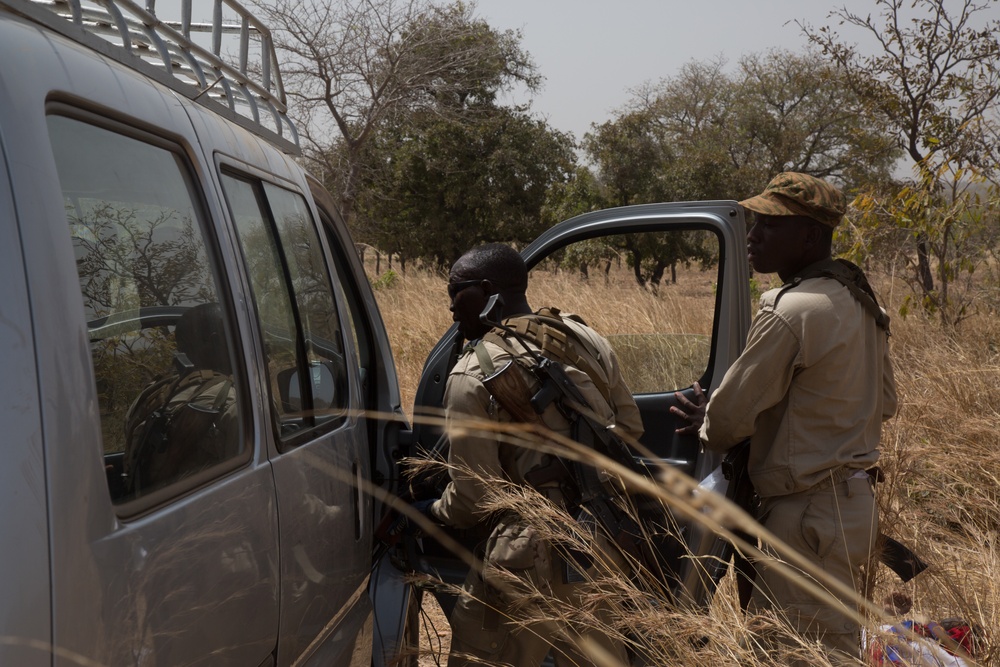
640,532
555,339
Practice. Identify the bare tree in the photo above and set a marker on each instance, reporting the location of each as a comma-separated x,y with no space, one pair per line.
934,79
353,65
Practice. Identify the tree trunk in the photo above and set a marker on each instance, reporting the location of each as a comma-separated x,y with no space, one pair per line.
637,269
924,274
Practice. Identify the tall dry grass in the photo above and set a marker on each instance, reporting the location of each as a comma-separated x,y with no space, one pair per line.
414,306
940,454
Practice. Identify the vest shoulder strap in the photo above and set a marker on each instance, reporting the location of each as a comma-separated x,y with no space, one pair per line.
557,341
850,276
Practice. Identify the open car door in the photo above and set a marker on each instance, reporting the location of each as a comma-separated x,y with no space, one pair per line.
668,286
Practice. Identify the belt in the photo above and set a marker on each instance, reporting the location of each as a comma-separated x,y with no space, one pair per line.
832,478
836,476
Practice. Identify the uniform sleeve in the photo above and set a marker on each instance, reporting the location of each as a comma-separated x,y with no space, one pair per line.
627,416
758,380
474,451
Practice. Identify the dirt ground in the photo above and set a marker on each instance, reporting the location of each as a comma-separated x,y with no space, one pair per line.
435,634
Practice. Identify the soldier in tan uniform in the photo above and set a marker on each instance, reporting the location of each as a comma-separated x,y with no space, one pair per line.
811,391
488,623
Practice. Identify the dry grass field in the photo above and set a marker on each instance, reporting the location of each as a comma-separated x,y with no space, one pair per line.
941,453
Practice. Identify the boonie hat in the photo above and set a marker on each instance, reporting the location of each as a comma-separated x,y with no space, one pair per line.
791,193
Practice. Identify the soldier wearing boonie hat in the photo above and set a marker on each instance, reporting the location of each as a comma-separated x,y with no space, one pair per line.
791,193
810,391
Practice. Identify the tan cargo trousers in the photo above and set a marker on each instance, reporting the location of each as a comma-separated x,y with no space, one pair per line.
519,607
835,527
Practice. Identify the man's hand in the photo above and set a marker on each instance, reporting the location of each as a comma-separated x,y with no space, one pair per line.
402,523
424,507
691,412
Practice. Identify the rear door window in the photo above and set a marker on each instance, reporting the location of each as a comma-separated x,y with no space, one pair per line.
295,306
161,332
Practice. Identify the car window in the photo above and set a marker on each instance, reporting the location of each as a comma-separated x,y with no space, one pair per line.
355,319
160,334
295,306
651,294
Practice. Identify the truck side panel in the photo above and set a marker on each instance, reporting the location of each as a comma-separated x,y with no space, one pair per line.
178,578
24,588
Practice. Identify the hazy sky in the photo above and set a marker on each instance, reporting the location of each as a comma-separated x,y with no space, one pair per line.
592,52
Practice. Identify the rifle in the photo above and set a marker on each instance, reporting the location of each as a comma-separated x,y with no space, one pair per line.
393,525
742,493
587,495
896,556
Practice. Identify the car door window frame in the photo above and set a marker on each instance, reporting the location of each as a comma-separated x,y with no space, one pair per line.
625,230
259,183
134,507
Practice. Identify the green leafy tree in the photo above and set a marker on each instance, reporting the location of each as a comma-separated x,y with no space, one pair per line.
957,228
630,155
353,67
444,184
579,193
779,111
707,134
796,112
650,255
581,256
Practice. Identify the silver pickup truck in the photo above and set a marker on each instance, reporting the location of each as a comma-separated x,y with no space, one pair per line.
198,397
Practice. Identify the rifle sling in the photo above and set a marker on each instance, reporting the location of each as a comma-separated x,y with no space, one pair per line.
485,360
850,276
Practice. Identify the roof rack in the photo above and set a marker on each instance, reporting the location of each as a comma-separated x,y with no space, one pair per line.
247,90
